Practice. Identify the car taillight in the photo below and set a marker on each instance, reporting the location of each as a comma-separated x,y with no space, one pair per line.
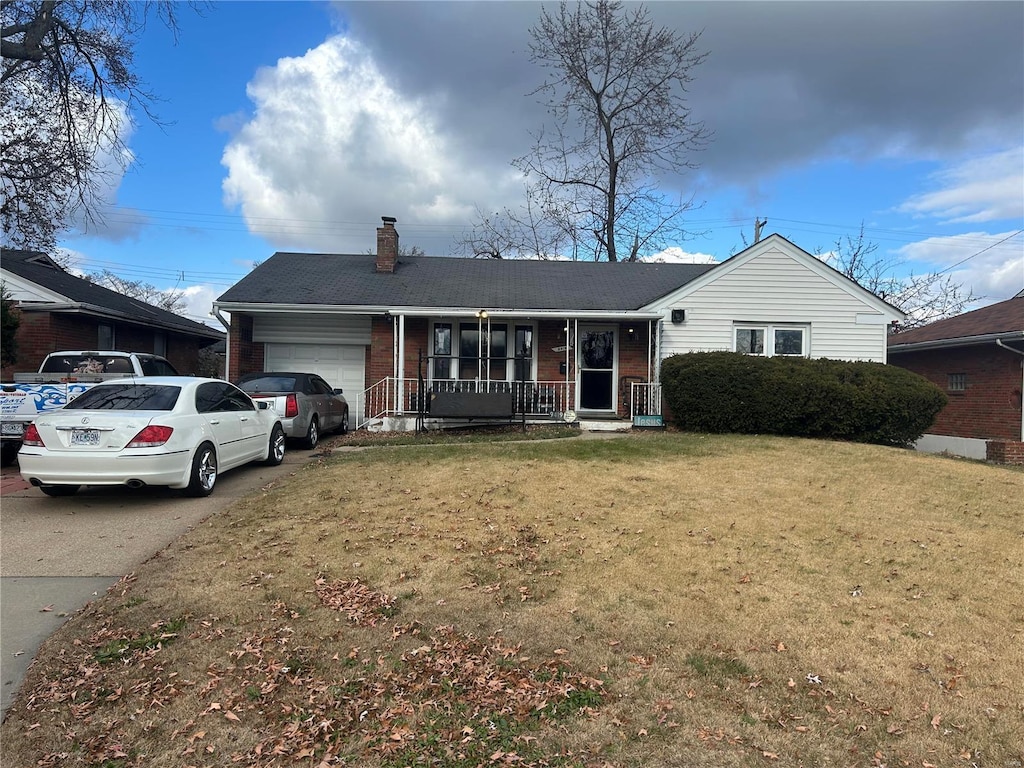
291,406
151,437
31,437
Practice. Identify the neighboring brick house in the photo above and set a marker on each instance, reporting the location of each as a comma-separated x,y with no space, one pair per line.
977,359
60,310
566,339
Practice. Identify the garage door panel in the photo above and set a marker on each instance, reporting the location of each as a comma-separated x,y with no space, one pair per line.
341,365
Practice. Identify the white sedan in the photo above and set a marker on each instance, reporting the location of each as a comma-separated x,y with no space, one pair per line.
175,431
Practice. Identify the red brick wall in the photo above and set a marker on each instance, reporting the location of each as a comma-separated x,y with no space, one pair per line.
43,332
244,355
990,407
1005,451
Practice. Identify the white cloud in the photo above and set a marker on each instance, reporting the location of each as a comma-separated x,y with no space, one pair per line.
676,255
199,303
986,188
990,269
333,145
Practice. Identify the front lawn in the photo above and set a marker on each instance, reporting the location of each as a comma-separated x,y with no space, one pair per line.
646,600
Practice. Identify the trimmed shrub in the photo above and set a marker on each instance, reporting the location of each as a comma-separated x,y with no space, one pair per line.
832,399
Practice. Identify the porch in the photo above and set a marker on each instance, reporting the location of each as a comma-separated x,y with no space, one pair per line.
394,404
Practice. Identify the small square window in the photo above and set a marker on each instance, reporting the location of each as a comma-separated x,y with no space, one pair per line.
789,341
956,382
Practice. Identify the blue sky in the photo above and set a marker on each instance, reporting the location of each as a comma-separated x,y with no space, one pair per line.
295,126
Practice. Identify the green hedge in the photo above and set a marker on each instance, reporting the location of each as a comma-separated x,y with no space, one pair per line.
833,399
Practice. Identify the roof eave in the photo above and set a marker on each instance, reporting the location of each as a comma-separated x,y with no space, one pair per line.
963,341
335,309
98,311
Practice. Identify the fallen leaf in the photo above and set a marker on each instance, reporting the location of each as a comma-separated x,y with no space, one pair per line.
231,716
46,609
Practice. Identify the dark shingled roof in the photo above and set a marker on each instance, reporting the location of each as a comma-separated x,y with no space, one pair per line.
435,281
40,269
1003,319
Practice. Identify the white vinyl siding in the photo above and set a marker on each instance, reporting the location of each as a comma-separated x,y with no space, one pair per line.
775,288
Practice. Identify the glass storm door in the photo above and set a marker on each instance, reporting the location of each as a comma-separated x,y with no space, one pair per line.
597,368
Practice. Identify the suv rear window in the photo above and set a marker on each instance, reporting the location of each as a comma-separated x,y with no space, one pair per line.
126,397
268,384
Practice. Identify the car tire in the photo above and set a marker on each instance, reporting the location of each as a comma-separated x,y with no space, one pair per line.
343,429
8,452
203,477
59,490
275,451
313,433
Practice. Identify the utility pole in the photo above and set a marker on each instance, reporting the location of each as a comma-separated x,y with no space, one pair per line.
758,224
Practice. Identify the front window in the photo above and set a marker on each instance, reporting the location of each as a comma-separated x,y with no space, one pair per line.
771,340
442,350
956,382
478,351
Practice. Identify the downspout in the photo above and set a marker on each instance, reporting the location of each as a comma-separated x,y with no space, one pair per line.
999,343
400,363
227,342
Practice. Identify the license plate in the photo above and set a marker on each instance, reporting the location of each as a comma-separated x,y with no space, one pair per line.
85,437
12,429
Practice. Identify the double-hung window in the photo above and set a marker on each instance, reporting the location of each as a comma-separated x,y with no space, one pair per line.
769,340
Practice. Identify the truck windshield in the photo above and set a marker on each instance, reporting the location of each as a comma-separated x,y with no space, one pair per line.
126,397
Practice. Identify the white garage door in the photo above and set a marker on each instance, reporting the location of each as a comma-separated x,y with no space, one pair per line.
341,365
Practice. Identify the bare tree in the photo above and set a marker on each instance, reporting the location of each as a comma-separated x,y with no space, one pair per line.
10,320
173,300
925,298
616,93
68,93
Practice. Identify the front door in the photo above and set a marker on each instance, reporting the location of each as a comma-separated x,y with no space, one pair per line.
597,368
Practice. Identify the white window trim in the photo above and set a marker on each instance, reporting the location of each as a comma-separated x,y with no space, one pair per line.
769,330
510,329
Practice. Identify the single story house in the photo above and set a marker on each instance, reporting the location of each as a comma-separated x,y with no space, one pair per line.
569,340
60,310
977,359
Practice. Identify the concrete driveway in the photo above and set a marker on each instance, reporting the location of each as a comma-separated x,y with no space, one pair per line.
57,554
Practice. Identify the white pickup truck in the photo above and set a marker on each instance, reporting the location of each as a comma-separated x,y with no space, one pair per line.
63,376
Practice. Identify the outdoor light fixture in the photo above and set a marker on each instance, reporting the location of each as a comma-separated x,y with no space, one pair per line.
481,314
631,333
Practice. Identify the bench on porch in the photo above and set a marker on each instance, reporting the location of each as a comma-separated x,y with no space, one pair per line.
471,405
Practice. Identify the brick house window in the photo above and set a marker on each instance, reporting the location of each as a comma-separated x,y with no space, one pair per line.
956,382
105,336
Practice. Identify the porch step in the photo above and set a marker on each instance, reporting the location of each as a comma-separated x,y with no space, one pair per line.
604,425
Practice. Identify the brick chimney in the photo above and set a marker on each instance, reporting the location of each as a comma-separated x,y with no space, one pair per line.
387,245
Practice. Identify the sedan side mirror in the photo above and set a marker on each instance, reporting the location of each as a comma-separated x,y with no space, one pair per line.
338,391
262,405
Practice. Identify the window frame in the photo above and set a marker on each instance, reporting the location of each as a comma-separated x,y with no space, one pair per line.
449,359
770,342
956,383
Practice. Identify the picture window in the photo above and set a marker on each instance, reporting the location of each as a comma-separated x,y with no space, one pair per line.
956,382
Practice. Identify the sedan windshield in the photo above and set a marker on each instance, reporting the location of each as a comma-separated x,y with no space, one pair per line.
269,384
126,397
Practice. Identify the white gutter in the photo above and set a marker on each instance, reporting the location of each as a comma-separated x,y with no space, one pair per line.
963,341
227,341
333,309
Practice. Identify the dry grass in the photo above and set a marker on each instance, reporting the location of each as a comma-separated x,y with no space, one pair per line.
653,600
